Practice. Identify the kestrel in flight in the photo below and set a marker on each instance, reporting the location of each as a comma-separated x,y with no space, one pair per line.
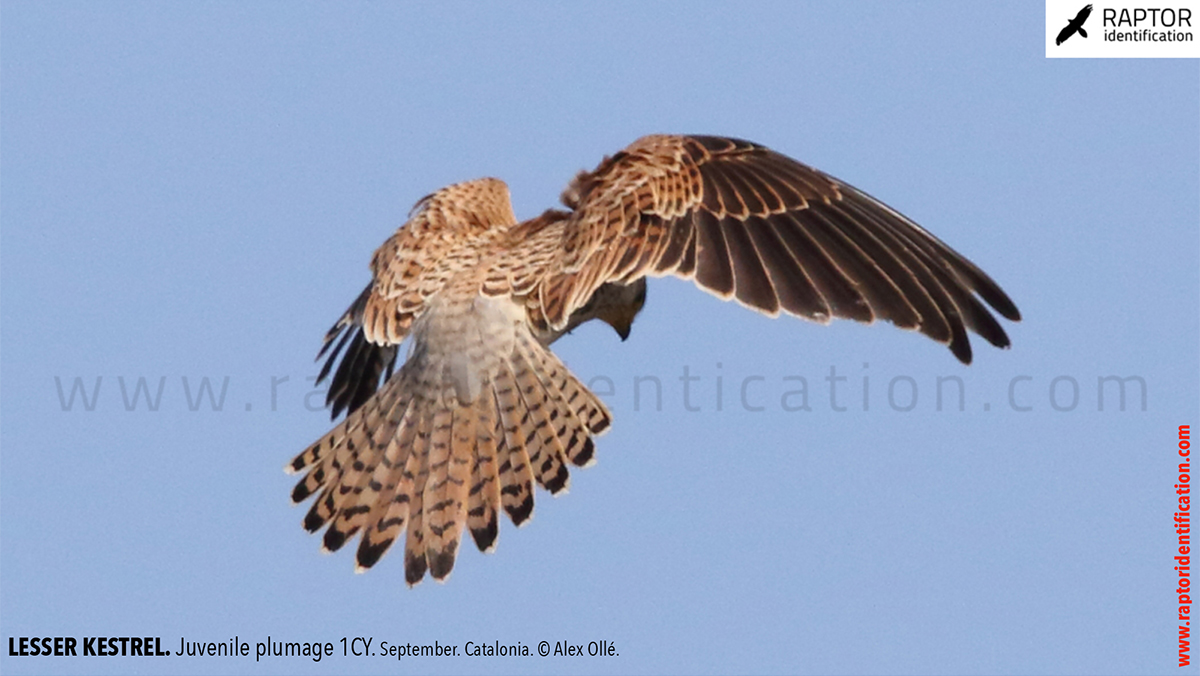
480,409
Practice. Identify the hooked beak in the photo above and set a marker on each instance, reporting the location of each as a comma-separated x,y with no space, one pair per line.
618,305
623,330
620,321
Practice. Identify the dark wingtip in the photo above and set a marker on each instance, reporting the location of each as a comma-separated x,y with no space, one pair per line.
1003,342
336,403
1000,302
961,350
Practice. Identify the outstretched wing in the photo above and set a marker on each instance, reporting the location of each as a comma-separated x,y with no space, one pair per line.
747,223
358,374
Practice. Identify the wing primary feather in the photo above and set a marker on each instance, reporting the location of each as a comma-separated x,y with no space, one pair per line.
346,334
752,286
839,292
360,369
714,271
795,290
956,289
687,264
973,277
873,282
908,266
899,295
929,273
345,324
977,280
678,242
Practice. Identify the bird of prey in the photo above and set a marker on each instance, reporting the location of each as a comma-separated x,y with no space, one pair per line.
481,409
1074,25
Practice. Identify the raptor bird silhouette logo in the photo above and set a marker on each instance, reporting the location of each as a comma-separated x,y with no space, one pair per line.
1074,26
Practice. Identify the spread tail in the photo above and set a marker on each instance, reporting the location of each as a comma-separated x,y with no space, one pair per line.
418,458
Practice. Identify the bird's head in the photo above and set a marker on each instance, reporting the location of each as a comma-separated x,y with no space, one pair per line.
618,305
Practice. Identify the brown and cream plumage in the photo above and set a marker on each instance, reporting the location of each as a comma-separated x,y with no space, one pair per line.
481,409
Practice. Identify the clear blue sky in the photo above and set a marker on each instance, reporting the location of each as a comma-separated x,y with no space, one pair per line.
194,190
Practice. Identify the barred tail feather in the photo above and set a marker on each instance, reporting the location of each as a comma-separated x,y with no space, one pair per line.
390,514
374,475
414,542
338,460
516,479
416,458
483,499
576,413
446,493
546,455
